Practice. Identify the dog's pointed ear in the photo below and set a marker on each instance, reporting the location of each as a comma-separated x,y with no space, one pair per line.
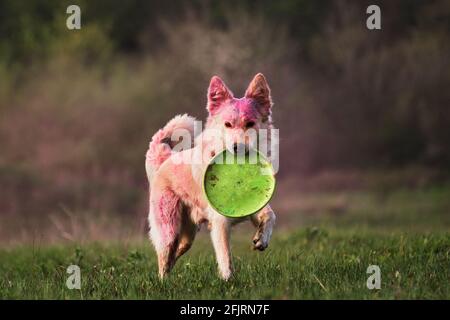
259,90
218,93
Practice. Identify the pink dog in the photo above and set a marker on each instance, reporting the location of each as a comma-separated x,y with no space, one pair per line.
177,204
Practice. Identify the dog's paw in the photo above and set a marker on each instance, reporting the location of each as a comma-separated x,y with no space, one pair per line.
226,274
259,243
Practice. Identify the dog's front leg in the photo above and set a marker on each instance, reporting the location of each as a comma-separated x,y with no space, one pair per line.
264,221
220,236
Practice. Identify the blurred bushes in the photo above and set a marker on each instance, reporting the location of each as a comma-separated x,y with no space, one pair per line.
385,99
77,108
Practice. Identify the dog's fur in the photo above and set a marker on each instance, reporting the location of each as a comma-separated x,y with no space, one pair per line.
177,204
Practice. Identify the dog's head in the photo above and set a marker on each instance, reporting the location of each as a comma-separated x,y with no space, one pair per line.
239,119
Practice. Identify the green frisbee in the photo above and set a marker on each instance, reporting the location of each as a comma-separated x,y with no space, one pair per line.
238,185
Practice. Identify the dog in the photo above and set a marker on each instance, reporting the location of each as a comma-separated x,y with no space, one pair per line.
177,204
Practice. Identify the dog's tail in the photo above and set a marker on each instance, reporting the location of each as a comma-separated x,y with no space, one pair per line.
160,147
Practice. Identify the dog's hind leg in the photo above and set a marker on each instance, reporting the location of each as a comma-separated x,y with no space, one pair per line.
165,221
187,233
166,258
264,222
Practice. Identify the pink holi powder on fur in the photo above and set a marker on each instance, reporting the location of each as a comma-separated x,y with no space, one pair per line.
240,111
166,214
246,108
158,152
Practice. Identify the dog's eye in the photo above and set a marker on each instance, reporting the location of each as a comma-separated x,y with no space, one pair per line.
250,124
228,124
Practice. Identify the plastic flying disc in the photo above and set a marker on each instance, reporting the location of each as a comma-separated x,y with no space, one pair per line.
238,185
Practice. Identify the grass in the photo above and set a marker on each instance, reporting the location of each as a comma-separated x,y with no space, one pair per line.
310,264
415,210
320,251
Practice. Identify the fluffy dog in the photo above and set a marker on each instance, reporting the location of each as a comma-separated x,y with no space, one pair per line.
178,206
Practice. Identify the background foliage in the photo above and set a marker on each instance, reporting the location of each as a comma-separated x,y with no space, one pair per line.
77,108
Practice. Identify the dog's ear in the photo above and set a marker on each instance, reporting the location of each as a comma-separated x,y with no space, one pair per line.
259,90
218,92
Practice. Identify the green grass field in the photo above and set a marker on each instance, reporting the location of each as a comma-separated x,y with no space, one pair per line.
310,264
326,258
